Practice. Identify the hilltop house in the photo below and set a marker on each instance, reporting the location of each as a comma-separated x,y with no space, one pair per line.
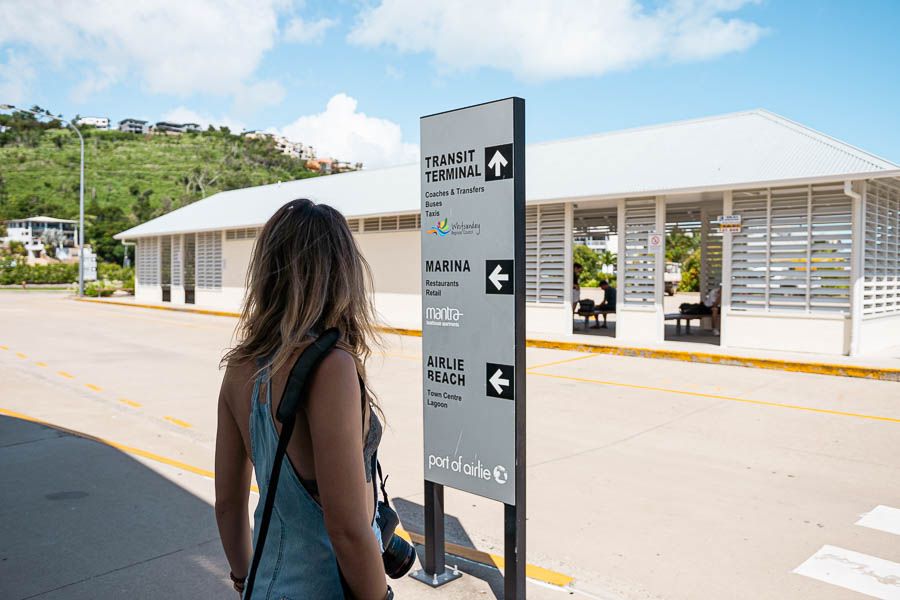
98,122
35,232
134,126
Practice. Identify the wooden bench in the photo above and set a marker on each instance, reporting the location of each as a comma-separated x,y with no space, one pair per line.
679,317
590,310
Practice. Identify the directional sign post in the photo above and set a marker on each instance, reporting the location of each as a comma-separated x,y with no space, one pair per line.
473,325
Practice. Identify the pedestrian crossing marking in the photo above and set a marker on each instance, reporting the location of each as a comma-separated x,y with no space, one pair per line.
882,518
855,571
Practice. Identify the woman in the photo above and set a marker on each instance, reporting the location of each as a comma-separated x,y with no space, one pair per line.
306,275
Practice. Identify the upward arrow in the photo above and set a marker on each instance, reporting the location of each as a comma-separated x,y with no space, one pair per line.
497,163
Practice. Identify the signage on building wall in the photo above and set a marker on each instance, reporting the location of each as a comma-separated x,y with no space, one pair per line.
655,241
473,218
730,223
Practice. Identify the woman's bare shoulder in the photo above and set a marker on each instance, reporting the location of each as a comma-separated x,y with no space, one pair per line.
238,379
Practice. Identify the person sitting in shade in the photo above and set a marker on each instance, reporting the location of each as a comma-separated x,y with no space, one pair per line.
607,306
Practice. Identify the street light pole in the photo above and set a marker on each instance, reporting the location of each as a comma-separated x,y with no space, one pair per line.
80,189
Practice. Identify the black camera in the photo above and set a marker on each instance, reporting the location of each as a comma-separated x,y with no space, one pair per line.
399,555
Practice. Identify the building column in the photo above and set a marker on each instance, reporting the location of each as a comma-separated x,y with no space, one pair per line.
620,262
725,300
660,274
568,259
857,264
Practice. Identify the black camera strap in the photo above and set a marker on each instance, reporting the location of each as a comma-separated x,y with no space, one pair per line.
294,393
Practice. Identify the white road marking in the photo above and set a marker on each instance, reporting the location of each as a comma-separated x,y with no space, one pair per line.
883,518
851,570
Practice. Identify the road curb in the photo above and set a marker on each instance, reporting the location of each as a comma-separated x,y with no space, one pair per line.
816,368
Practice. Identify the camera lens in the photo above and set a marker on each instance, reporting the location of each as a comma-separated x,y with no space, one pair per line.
398,557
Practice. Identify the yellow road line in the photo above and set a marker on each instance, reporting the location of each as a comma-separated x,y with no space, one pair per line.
22,356
720,397
93,387
127,449
485,558
66,375
40,364
532,571
130,403
178,422
563,361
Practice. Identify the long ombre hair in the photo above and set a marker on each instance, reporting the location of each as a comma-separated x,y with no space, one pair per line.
306,275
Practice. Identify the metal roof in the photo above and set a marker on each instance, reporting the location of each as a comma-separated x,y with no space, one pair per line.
739,150
42,219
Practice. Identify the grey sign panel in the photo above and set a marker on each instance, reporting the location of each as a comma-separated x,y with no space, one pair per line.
473,296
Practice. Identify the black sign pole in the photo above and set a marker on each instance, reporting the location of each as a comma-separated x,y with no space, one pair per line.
514,516
434,572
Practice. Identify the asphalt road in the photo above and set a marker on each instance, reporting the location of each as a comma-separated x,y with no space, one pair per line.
646,478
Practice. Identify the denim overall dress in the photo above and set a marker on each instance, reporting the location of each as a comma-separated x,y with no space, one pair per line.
298,560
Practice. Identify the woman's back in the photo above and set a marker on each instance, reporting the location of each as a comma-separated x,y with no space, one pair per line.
298,560
306,274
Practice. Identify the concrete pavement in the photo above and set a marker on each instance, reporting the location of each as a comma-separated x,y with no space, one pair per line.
647,478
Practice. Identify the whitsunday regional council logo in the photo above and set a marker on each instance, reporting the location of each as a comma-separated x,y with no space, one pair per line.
475,469
444,227
443,316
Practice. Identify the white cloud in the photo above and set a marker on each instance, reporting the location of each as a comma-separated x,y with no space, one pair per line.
170,46
301,31
16,78
258,96
183,114
344,133
554,39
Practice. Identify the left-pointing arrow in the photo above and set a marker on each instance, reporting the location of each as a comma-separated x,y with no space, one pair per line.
497,276
498,381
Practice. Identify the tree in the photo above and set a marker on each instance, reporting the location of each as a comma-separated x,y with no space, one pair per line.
590,265
608,259
684,248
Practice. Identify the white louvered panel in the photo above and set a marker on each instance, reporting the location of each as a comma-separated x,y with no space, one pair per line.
241,234
176,260
531,253
148,261
793,252
354,225
408,222
749,250
209,260
831,247
640,260
545,253
712,253
881,285
371,224
788,248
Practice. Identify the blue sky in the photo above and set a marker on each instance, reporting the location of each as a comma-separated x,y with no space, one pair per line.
352,78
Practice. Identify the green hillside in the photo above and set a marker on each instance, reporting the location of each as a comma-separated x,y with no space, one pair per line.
129,178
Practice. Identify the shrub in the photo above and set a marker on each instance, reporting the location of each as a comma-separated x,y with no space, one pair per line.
15,271
100,289
114,272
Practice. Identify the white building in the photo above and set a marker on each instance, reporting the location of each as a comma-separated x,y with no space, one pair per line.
134,126
33,230
98,122
815,266
284,145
